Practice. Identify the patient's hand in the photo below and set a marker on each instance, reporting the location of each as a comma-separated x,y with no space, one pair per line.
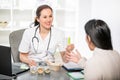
71,55
75,56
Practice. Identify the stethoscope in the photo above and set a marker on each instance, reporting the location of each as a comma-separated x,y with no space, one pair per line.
35,38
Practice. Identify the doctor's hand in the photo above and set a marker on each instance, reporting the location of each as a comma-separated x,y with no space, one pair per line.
32,62
67,52
24,58
66,56
70,47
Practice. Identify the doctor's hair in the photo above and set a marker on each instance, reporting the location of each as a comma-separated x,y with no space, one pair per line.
38,13
99,33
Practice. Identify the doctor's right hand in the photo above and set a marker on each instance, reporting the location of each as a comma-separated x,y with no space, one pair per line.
32,62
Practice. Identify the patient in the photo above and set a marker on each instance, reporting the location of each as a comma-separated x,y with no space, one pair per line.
105,62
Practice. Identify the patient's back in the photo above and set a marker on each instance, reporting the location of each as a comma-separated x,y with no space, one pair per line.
104,65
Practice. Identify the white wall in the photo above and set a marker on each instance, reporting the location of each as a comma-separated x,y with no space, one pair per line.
109,11
4,38
83,15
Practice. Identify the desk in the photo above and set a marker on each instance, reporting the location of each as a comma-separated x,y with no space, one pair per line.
4,77
54,75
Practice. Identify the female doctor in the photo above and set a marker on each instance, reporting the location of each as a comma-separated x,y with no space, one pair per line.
39,43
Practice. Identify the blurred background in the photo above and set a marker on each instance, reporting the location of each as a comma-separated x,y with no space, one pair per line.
69,16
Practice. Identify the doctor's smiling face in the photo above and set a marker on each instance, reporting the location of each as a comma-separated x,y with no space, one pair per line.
45,18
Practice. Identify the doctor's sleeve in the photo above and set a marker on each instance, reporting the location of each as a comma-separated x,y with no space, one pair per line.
25,42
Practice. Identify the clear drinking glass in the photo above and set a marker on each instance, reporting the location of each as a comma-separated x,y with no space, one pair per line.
33,69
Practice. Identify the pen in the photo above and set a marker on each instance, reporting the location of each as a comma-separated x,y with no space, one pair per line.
68,41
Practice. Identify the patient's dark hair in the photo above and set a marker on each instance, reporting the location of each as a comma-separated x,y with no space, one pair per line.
99,33
38,12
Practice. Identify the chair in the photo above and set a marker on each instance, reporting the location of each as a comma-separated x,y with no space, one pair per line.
14,40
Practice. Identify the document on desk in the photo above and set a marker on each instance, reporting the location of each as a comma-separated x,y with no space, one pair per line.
71,66
75,75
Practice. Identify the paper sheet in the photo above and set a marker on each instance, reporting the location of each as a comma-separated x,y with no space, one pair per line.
75,75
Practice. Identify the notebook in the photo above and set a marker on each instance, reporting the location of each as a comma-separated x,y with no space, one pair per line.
6,66
72,67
